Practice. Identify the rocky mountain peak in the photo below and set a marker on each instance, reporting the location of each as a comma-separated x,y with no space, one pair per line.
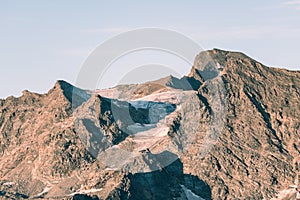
229,129
227,61
66,92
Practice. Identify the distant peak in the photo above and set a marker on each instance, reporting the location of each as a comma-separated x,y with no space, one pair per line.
25,92
73,94
62,84
217,60
220,52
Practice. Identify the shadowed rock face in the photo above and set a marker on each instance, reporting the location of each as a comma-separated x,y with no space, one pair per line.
184,83
49,143
170,182
103,123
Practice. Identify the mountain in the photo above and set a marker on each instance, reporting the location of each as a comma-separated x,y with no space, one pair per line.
227,130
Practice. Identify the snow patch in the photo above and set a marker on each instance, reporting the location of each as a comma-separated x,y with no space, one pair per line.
137,127
8,183
112,93
93,190
45,191
290,193
190,195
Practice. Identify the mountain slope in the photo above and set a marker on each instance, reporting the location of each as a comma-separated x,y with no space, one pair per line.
228,130
258,151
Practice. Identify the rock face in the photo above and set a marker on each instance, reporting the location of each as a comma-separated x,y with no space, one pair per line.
257,153
228,130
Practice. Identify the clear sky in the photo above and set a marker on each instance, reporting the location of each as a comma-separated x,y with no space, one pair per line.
42,41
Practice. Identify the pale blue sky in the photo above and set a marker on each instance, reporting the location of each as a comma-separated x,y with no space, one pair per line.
42,41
